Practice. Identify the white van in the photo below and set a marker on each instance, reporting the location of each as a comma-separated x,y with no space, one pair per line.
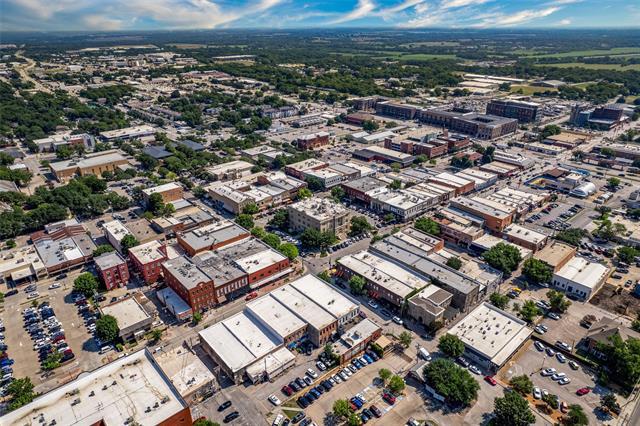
424,354
105,349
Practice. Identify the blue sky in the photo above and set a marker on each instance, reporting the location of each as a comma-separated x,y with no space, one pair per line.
36,15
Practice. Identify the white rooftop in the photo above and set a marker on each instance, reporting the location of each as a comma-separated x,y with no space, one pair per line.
492,332
127,311
162,188
581,271
258,261
148,252
274,315
122,389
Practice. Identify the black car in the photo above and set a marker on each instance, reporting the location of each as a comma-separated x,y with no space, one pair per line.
3,347
293,385
305,422
327,385
310,397
61,276
300,383
298,417
302,402
224,406
231,416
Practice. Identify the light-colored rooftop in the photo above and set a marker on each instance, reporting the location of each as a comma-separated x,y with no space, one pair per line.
161,188
581,271
258,261
319,208
108,260
116,229
122,389
148,252
487,241
526,234
128,132
492,332
303,307
274,315
127,311
554,253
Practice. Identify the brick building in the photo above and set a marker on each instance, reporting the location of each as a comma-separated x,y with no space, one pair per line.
313,140
112,269
147,260
211,237
169,191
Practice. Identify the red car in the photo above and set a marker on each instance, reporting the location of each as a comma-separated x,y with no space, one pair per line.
287,390
490,380
251,295
353,406
58,338
389,398
583,391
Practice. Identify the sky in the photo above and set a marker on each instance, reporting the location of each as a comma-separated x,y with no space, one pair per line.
119,15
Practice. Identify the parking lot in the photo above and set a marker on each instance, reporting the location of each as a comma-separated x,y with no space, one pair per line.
21,346
530,361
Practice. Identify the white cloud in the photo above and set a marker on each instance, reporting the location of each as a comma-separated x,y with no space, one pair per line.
101,22
564,22
45,9
451,4
362,9
524,16
406,4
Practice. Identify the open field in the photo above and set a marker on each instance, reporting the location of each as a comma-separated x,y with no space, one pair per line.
596,52
424,57
617,67
530,90
431,43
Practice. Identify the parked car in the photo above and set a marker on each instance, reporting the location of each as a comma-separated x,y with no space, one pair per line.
490,380
397,320
579,392
224,406
274,399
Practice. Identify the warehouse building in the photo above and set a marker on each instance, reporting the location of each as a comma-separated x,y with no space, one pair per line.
580,277
91,164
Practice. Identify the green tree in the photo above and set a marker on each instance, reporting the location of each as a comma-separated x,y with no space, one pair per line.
627,254
396,384
280,219
127,242
529,311
370,125
512,410
609,402
324,276
359,225
86,283
354,420
357,284
395,184
156,335
503,257
337,193
455,384
622,360
384,374
304,193
245,220
107,328
197,317
205,422
272,240
341,408
522,384
576,416
288,249
102,249
20,393
536,271
11,244
571,236
550,130
251,208
314,184
451,345
313,238
613,182
405,339
498,300
389,217
463,162
454,262
52,361
258,232
428,225
558,301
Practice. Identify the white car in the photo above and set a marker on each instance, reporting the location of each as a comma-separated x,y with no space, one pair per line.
344,376
54,286
359,395
565,381
372,304
558,376
539,346
274,399
548,372
321,366
278,420
33,295
561,357
536,393
337,378
312,373
397,320
474,369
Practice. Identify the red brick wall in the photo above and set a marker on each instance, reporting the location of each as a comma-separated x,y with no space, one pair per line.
268,271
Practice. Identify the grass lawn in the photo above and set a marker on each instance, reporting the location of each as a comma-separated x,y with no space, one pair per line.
573,53
616,67
530,90
424,57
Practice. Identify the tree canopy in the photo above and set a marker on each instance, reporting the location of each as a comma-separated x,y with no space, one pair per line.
428,225
451,345
455,384
86,283
512,410
536,271
107,328
503,257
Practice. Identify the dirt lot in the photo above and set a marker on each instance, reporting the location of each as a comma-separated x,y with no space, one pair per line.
622,303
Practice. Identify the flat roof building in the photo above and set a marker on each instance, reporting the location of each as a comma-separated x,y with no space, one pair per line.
147,260
378,153
169,191
556,254
580,277
128,133
491,336
133,320
130,389
91,164
114,232
112,269
230,170
525,237
322,214
211,237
